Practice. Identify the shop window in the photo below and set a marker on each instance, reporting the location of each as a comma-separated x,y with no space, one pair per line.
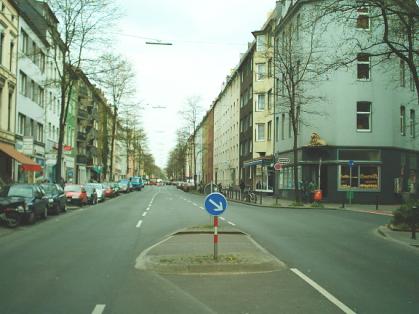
364,177
363,116
412,123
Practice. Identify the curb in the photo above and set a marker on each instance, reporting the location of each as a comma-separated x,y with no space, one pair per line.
385,232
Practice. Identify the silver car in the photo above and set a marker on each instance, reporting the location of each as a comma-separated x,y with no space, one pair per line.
100,190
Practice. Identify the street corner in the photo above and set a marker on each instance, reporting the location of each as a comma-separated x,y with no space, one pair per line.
190,252
396,235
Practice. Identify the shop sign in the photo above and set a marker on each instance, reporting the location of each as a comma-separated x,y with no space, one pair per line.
27,145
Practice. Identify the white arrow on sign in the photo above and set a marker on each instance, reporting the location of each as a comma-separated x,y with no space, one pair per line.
218,207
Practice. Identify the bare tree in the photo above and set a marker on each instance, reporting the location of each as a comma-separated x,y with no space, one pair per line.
298,68
118,82
191,114
392,27
82,25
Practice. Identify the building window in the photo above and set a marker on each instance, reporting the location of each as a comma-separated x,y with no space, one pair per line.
283,85
412,123
402,120
260,132
276,128
260,43
260,71
12,48
40,133
21,124
9,112
25,42
283,126
363,66
363,116
402,74
270,67
362,177
23,83
270,100
269,130
260,102
1,47
33,91
40,96
289,125
363,19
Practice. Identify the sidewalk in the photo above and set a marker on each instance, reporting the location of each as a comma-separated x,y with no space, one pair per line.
402,237
271,201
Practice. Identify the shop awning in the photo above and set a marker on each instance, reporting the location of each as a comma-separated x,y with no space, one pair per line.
27,163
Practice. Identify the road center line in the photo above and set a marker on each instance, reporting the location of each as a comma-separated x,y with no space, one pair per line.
147,209
144,214
139,224
324,292
99,308
229,222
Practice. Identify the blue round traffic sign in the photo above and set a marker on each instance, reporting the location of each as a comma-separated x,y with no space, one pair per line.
215,204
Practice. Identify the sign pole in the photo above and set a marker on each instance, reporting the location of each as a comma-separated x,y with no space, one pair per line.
215,237
350,184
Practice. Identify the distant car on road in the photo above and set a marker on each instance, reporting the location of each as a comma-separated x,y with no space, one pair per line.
137,183
125,185
109,192
100,190
76,194
35,200
56,197
91,194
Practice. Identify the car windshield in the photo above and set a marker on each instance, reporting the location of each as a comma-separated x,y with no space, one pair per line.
89,188
18,190
72,188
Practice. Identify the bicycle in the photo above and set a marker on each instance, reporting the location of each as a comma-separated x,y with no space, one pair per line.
251,196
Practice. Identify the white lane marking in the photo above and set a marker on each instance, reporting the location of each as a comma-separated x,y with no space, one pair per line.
326,294
230,223
222,218
195,204
144,214
202,208
99,308
147,209
139,224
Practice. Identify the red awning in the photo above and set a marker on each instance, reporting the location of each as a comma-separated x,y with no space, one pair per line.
27,163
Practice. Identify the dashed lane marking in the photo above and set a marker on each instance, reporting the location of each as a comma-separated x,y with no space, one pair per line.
99,308
324,292
222,218
139,224
230,223
144,214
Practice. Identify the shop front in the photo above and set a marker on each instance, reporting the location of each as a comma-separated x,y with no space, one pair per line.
262,174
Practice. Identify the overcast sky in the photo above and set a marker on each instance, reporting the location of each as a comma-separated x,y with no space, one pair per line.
207,37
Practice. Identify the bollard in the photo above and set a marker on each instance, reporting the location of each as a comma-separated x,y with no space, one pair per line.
343,201
260,201
376,202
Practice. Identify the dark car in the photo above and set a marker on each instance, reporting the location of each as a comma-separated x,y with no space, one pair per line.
35,200
91,192
11,210
56,197
76,194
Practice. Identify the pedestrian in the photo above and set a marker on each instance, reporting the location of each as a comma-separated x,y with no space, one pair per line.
311,188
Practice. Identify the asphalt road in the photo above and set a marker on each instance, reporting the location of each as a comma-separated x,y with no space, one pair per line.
83,261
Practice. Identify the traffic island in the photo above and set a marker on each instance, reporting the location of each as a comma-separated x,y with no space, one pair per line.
190,251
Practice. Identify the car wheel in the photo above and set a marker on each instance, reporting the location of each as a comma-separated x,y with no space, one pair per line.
44,215
56,209
13,219
64,209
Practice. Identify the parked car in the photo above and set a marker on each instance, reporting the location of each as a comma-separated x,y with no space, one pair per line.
91,194
125,185
11,210
116,188
36,204
75,194
109,192
137,183
56,198
100,190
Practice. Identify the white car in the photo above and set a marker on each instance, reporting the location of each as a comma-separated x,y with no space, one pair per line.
100,190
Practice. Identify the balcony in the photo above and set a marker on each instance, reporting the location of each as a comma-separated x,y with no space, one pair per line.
82,114
90,161
81,159
91,151
81,137
91,133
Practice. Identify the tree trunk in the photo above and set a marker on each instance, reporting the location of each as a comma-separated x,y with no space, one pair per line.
112,143
295,166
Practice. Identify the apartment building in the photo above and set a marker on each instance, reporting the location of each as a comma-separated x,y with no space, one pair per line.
359,134
226,132
263,107
208,143
9,25
245,72
199,153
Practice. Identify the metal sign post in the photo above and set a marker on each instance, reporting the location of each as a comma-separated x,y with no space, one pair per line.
351,164
215,204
